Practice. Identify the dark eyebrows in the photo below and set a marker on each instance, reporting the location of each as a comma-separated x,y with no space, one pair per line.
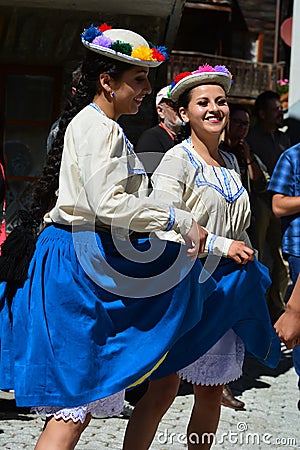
220,97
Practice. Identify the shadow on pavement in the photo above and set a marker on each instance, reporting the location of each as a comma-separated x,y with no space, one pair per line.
253,370
10,411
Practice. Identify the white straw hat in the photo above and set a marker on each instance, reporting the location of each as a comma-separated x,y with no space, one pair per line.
124,45
205,74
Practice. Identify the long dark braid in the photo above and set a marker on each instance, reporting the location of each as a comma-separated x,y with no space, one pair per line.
18,249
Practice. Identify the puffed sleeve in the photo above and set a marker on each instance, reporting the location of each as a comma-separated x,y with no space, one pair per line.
105,167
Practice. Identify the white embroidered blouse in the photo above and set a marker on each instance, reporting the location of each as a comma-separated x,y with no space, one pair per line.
103,181
214,195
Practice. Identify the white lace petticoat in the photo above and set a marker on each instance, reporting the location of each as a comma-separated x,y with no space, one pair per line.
220,365
108,406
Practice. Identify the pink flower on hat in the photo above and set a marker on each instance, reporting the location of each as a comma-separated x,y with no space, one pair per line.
205,68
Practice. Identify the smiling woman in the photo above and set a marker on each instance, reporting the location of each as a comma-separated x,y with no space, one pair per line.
85,289
197,175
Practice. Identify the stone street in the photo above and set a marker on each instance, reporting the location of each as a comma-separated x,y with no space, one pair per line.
271,419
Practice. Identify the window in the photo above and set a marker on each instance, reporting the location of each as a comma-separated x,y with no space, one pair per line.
30,98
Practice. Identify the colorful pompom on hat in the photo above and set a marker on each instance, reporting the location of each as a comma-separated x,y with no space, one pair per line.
205,74
124,45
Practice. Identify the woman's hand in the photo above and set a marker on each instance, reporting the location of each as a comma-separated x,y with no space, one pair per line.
245,150
288,327
195,239
240,252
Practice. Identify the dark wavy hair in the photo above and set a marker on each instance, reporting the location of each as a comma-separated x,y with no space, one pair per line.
185,129
18,249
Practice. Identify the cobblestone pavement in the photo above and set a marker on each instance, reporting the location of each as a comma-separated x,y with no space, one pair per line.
271,419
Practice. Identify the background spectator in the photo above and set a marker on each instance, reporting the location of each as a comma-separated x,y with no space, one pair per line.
268,142
285,186
155,141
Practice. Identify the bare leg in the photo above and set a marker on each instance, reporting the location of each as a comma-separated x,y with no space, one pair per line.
61,435
205,416
148,412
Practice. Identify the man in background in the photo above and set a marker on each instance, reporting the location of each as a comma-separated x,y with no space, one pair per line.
285,187
155,141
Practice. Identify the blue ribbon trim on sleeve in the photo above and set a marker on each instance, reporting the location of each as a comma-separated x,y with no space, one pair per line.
171,219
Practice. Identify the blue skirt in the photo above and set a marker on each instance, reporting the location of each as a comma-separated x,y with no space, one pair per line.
238,302
95,315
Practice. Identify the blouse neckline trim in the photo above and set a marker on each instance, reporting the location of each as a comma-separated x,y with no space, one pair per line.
224,157
97,108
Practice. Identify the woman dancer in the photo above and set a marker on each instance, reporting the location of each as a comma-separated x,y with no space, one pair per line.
196,175
80,324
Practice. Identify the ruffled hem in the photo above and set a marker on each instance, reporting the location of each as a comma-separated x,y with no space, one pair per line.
214,368
209,382
108,406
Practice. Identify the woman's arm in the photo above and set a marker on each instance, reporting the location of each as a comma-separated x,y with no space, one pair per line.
171,182
103,175
106,169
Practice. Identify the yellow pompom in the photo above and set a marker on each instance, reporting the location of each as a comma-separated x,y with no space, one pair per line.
142,52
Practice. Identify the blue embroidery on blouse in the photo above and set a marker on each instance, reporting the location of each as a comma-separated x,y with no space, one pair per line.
195,164
171,218
211,243
230,158
226,181
229,196
96,107
131,170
